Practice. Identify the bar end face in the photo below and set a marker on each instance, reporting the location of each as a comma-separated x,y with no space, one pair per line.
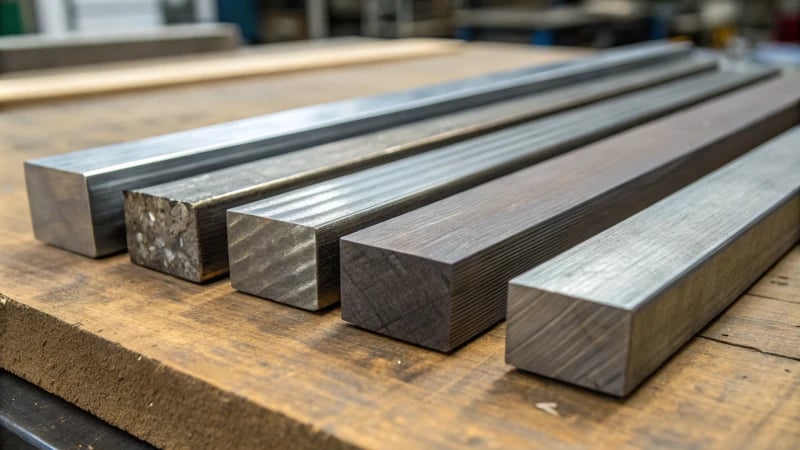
60,211
275,260
398,295
569,339
162,235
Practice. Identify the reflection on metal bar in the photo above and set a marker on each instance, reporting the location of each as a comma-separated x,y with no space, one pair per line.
76,198
438,276
286,248
179,227
605,314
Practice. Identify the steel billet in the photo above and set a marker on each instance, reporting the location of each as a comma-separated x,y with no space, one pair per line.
285,248
606,313
438,275
179,227
76,198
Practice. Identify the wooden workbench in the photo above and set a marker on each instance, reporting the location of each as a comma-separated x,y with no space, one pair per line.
183,365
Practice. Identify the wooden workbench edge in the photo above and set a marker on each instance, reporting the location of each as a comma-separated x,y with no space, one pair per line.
61,357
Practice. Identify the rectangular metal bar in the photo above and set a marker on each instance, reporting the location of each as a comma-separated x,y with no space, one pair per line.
606,313
438,276
285,248
179,227
76,198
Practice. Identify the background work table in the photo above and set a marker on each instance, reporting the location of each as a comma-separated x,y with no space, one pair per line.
183,365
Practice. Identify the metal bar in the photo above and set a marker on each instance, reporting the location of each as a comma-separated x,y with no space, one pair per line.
76,198
285,248
605,314
179,227
438,276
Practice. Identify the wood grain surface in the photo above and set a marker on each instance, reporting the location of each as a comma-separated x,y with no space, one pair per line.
147,75
182,365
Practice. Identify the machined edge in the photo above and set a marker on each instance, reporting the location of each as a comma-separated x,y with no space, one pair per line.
60,211
568,338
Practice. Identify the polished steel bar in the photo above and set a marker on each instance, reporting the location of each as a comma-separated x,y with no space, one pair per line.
285,248
438,276
179,227
76,198
606,313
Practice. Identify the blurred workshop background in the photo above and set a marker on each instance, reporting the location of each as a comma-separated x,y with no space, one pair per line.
769,26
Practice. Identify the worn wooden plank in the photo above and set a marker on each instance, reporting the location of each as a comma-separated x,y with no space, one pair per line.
41,420
179,227
437,276
783,283
223,369
607,312
285,248
73,84
763,324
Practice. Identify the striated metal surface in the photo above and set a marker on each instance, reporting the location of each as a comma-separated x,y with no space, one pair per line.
438,275
285,248
179,227
76,198
606,313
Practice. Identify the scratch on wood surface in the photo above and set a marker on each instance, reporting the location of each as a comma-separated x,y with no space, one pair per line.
549,408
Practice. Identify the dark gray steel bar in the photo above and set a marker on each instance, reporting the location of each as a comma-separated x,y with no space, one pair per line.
606,313
285,248
438,275
76,198
179,227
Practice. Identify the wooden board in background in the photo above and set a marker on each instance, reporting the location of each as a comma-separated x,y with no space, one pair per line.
35,51
167,73
185,365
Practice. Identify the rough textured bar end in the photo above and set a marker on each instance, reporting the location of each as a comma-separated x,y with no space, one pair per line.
165,235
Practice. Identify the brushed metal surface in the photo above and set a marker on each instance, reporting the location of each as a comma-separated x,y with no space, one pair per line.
606,313
106,171
179,227
438,276
285,248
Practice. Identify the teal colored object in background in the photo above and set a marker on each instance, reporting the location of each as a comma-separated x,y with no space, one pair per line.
10,18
